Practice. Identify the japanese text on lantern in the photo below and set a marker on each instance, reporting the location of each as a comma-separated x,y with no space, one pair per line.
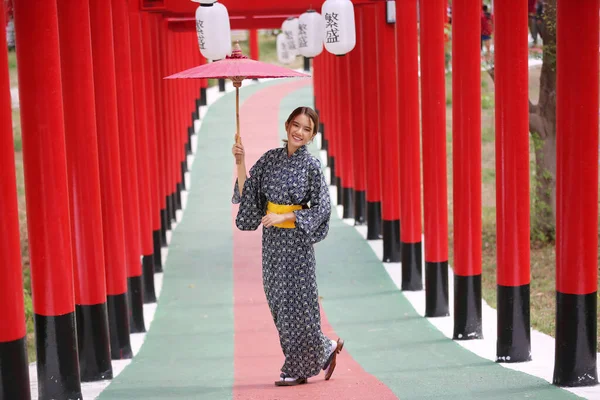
302,36
332,27
289,36
200,31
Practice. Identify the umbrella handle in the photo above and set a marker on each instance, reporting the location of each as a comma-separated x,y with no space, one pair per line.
238,140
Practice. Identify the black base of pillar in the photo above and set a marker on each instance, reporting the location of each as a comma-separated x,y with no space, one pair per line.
203,96
306,64
163,228
194,116
221,85
135,289
177,199
170,211
340,191
157,258
412,272
436,289
467,307
183,171
392,250
14,370
57,361
184,165
575,353
514,340
198,104
331,165
148,274
93,340
118,325
348,202
188,143
324,142
171,216
374,226
360,207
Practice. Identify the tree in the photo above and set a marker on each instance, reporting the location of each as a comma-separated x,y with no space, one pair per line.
542,127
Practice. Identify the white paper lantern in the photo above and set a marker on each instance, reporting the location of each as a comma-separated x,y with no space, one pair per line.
290,29
214,31
311,33
284,55
340,29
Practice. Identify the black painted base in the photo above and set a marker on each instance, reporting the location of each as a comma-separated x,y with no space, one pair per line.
331,165
135,290
169,209
324,142
306,64
374,223
57,361
392,250
148,274
157,252
467,307
514,340
118,325
163,228
575,353
340,191
412,272
188,144
178,190
14,370
221,85
436,289
348,202
203,96
198,104
93,340
360,207
183,171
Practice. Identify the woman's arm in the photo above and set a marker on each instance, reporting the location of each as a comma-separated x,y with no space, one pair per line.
238,150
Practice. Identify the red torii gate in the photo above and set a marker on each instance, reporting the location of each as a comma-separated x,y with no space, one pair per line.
158,33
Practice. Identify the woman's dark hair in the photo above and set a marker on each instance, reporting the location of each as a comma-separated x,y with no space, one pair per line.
309,112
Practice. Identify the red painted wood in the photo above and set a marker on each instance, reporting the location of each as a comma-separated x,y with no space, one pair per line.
12,316
357,109
108,147
512,142
371,80
142,133
257,353
127,138
44,158
466,136
577,147
153,156
433,111
408,113
388,117
82,152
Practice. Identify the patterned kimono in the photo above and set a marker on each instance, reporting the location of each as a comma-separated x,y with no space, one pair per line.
288,257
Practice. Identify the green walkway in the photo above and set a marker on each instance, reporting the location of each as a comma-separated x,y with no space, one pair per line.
188,353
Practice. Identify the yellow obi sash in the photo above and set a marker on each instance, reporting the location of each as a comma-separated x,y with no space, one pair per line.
273,208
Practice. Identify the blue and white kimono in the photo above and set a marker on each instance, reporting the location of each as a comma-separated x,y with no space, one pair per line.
289,275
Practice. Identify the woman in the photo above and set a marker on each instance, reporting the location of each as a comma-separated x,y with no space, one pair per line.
287,193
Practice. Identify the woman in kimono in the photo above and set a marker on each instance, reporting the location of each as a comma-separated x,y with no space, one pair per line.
286,192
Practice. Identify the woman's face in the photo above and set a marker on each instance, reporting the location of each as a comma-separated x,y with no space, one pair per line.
299,131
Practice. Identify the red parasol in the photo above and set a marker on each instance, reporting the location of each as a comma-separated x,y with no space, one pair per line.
237,67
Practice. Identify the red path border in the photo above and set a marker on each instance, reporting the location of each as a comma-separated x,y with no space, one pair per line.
257,354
